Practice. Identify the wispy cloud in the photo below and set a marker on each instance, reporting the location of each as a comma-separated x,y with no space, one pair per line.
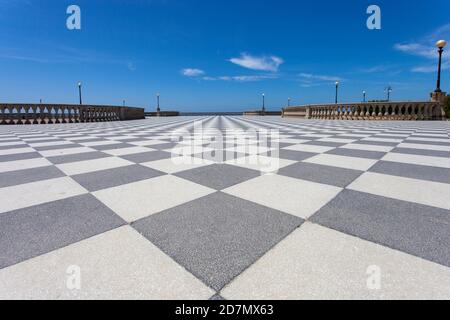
190,72
430,68
59,54
317,77
262,63
425,48
417,49
245,78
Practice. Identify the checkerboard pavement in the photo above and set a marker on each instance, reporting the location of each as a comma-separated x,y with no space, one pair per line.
348,198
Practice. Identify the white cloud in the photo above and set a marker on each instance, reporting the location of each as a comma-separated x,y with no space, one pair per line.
189,72
244,78
417,49
430,68
426,48
316,77
264,63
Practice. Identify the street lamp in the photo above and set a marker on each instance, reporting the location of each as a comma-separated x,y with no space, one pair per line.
289,102
123,103
441,45
264,103
337,88
389,91
158,109
79,92
364,95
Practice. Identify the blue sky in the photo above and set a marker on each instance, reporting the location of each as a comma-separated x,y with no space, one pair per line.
219,55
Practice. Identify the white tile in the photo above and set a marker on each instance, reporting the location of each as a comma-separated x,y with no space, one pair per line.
140,199
119,264
187,150
337,140
44,138
82,138
383,140
144,143
342,162
367,147
418,160
11,143
429,193
4,152
65,152
264,164
30,194
424,147
99,143
80,167
294,196
16,165
429,139
49,144
294,141
309,148
127,151
177,164
319,263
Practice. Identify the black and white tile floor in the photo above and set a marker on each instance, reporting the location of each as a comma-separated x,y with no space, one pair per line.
348,201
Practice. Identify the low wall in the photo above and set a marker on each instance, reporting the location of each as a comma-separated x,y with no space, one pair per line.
370,111
65,113
261,113
162,114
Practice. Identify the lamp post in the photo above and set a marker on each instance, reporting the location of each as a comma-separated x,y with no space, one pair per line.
389,91
158,109
123,103
79,93
289,102
441,45
337,88
364,96
264,103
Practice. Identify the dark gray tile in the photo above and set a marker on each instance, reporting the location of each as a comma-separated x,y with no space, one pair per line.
13,178
13,147
377,143
295,155
422,152
164,146
120,145
324,143
218,176
77,157
61,146
338,177
357,153
147,156
436,143
218,236
412,171
20,156
216,156
104,179
30,232
412,228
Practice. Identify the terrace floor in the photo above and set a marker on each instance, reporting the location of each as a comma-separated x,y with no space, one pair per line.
325,210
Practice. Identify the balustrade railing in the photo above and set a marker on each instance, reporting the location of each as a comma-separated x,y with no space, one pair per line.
58,113
372,111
